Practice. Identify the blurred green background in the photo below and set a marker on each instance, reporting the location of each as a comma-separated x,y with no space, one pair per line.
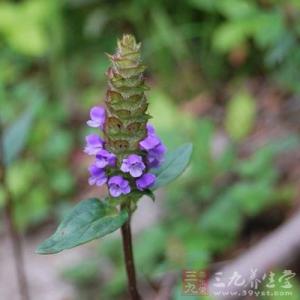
224,74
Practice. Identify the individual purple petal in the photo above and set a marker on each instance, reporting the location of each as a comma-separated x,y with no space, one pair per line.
93,144
150,142
154,162
158,151
146,181
133,165
154,147
118,185
116,180
150,129
125,187
105,158
155,157
98,176
97,115
115,191
137,170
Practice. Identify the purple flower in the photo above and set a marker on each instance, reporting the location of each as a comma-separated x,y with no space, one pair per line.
154,147
97,114
146,181
150,129
118,186
105,158
150,142
133,165
156,156
98,176
93,144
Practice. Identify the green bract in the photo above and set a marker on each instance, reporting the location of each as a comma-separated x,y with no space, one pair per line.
126,102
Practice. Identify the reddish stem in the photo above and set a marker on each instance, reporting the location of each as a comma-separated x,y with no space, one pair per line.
129,261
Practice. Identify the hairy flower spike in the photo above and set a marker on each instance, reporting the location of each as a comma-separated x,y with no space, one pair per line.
125,99
131,146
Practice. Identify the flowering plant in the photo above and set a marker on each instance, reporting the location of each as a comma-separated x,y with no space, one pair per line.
129,158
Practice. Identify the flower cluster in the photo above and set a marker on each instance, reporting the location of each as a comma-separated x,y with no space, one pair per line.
134,165
128,147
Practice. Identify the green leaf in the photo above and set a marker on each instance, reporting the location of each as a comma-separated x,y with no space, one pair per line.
89,220
26,20
240,115
237,9
175,163
14,137
252,197
230,35
212,221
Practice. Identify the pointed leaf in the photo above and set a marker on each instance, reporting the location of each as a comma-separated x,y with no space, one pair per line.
89,220
175,163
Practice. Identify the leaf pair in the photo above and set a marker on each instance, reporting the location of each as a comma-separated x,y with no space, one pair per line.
92,218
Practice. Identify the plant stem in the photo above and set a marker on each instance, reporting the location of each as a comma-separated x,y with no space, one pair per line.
17,252
12,231
129,261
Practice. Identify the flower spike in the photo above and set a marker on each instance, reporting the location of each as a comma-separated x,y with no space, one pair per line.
130,146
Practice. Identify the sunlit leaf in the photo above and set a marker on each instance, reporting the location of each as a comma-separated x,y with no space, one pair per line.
230,35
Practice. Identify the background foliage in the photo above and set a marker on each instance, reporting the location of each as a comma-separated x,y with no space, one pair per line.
224,75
